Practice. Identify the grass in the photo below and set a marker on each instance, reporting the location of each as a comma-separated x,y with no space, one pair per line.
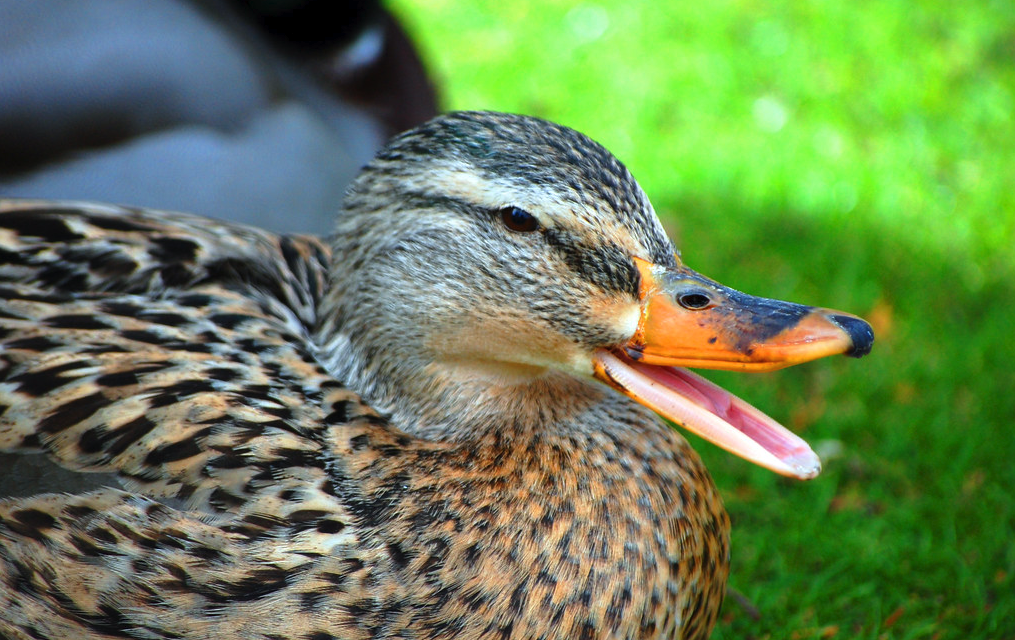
853,155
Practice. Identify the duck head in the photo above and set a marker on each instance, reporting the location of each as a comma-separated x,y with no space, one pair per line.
486,264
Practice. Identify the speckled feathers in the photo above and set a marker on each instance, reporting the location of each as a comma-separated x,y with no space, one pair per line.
387,437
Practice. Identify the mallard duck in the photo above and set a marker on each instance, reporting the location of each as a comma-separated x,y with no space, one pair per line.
263,109
441,426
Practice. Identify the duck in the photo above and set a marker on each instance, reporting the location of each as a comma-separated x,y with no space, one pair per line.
443,422
252,111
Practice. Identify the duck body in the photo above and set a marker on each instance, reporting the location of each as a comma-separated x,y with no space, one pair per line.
351,528
402,435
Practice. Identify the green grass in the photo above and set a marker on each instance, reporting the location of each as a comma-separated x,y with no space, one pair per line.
858,155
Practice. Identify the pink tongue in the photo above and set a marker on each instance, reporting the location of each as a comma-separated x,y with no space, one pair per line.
710,396
741,415
715,414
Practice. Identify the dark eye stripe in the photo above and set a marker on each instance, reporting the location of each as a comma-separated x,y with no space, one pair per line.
604,264
519,220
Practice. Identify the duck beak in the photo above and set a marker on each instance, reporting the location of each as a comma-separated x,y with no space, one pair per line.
688,320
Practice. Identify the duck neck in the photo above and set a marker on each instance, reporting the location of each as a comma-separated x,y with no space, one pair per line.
465,400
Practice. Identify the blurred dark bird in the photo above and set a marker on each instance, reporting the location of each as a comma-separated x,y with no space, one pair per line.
258,111
434,428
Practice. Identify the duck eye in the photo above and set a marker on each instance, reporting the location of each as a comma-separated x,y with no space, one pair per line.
518,219
694,300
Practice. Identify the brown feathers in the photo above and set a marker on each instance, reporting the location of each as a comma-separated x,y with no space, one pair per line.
212,368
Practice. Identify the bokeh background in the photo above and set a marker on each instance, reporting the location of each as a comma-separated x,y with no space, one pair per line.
859,155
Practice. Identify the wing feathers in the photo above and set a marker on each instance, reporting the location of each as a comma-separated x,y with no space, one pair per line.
165,347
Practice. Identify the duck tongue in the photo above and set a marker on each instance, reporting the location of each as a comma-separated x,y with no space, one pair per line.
712,413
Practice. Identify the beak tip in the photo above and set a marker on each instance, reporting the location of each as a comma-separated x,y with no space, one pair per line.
806,466
860,334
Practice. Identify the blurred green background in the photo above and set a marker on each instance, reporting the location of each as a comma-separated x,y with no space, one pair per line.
857,155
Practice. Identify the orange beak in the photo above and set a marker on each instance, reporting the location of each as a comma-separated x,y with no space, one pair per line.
688,320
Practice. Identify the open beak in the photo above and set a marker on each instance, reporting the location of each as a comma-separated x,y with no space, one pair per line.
688,320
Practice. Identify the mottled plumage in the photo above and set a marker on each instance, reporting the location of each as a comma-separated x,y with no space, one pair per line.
483,487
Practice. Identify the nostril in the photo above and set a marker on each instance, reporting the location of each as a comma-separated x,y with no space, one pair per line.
861,334
694,300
